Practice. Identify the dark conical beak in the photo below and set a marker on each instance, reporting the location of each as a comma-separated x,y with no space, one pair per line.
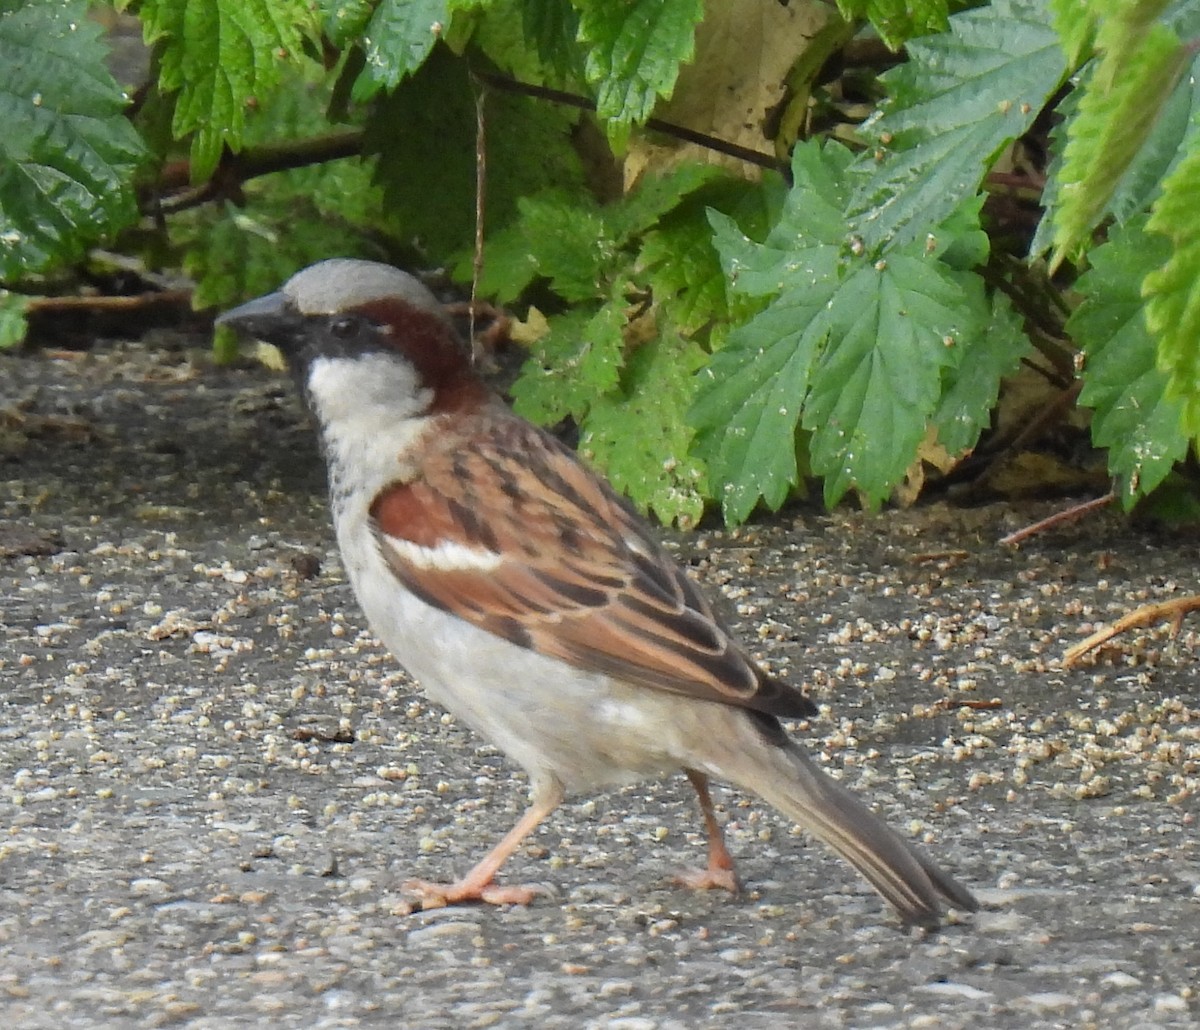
273,318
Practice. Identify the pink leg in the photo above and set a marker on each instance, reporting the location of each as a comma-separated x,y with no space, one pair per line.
478,884
720,872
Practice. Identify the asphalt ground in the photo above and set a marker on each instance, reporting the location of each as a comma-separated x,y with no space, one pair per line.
213,781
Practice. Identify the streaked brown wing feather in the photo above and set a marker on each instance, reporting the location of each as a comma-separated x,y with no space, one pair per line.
561,566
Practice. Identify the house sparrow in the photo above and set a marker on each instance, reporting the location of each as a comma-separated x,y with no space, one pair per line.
529,600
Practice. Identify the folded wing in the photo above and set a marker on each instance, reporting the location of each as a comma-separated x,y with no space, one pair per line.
510,532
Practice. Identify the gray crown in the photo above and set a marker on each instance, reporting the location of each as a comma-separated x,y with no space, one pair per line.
340,284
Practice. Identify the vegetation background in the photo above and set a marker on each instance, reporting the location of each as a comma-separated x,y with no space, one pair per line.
748,244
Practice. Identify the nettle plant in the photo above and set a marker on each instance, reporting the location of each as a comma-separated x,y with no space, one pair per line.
747,242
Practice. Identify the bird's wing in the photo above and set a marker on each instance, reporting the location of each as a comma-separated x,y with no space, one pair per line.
506,529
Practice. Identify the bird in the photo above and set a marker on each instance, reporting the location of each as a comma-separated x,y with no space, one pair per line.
531,601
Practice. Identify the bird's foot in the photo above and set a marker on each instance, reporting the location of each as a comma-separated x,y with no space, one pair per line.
438,895
711,878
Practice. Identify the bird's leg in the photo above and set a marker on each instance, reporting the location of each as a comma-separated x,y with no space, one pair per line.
720,871
478,884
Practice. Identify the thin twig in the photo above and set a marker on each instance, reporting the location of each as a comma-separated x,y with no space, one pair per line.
1147,615
1047,414
149,299
952,555
720,146
979,705
1066,515
236,169
174,190
480,191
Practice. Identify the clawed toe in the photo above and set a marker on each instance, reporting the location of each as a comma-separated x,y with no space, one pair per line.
438,895
709,879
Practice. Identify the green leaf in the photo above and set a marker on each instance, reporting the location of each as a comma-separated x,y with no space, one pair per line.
232,254
67,152
343,21
749,401
680,264
1172,291
1125,26
639,435
970,389
509,263
568,239
500,33
291,218
748,409
1130,86
956,103
635,49
1043,236
577,362
1169,139
398,39
557,235
857,350
569,242
1133,415
898,20
683,270
810,234
424,134
221,55
654,196
748,404
894,327
1075,24
960,241
12,318
551,28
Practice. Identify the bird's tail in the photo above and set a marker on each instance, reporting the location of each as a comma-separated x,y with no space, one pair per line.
905,877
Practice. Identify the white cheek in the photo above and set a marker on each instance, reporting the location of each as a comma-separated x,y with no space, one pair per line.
363,391
372,415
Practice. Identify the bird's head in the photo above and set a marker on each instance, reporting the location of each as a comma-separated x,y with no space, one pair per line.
361,332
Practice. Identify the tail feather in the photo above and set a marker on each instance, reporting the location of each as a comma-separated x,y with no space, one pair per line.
915,886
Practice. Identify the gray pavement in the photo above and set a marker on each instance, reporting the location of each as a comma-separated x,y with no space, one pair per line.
213,781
